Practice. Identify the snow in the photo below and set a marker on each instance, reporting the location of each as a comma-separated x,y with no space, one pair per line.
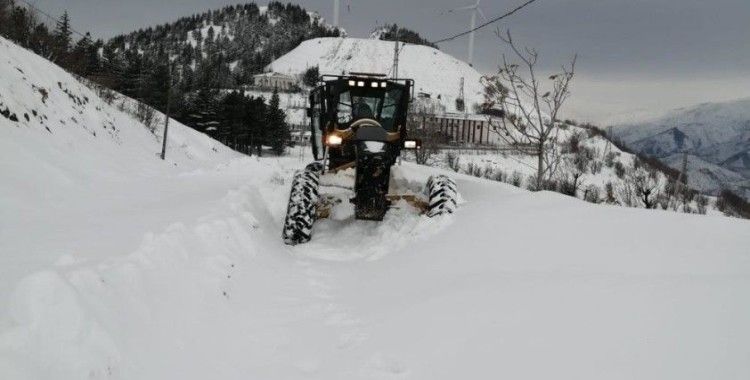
118,265
433,71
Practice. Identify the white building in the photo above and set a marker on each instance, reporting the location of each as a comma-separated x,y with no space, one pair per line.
269,81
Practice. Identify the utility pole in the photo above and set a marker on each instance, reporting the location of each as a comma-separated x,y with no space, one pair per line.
680,178
169,101
460,103
396,52
471,36
609,140
395,59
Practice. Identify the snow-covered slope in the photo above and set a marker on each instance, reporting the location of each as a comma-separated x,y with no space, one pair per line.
62,149
718,133
591,168
433,71
138,269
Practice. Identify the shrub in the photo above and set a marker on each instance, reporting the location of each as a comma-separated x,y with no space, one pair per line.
499,176
531,183
564,186
596,167
701,202
609,159
591,194
732,204
573,144
488,170
619,169
475,170
453,161
610,190
516,179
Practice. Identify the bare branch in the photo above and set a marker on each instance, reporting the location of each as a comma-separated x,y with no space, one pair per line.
531,109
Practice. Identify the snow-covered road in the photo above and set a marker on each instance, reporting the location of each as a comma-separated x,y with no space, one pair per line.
516,284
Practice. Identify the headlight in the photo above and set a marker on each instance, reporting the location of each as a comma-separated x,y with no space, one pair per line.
334,140
412,144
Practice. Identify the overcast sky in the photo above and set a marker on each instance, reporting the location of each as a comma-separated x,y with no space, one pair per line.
634,55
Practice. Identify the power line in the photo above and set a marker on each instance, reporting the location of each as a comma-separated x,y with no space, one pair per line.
53,18
453,37
496,19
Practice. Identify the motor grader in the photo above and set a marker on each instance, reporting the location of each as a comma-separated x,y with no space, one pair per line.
358,121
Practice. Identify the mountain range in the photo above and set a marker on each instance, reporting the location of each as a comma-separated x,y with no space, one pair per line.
715,137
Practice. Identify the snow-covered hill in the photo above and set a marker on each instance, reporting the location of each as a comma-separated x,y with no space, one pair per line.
434,72
715,133
224,47
117,265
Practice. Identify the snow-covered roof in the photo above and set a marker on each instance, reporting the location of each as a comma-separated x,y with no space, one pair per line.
274,75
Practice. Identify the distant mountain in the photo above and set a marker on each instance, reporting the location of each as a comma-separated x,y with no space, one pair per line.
221,48
716,137
436,74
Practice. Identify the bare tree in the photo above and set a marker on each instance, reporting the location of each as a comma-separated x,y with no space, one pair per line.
530,109
431,138
646,186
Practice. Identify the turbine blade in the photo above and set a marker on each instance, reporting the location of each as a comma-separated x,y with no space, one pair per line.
461,8
479,10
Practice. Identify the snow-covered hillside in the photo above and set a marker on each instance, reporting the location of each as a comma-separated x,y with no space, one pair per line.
589,167
714,133
434,72
64,152
117,265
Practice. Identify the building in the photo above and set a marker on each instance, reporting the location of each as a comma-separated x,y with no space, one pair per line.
455,128
269,81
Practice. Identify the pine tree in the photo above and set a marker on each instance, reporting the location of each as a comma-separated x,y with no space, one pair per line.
41,41
311,76
256,120
20,26
63,38
5,10
79,56
278,129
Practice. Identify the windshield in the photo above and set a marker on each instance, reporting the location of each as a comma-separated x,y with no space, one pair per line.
364,103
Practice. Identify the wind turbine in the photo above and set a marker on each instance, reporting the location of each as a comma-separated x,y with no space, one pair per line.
336,7
336,11
474,11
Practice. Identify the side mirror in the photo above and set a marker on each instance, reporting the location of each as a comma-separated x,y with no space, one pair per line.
309,112
412,144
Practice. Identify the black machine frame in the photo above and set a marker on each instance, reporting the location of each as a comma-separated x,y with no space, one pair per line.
369,141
